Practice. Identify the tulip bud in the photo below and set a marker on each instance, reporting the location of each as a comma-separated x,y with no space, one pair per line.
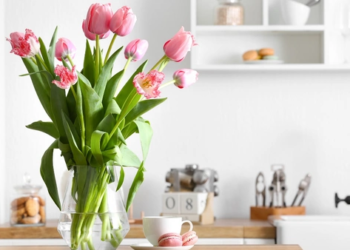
185,77
98,18
123,21
24,45
64,47
92,36
178,46
136,49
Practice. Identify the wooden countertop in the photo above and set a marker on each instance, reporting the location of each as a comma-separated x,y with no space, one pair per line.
244,247
222,228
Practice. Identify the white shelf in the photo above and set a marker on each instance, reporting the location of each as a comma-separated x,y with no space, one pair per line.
277,67
316,46
203,29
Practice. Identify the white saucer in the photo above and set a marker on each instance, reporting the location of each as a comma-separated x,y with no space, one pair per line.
264,62
148,246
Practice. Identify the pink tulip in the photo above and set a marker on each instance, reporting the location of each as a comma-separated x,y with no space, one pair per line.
98,18
24,45
148,84
123,21
185,77
67,77
178,46
92,36
64,47
136,49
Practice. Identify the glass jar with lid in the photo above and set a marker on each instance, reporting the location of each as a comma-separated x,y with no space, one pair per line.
229,12
27,205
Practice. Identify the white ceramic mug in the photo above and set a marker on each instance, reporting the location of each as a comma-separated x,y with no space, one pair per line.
294,13
156,226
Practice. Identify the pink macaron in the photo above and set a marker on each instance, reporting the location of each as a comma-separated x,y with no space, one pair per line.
189,239
170,240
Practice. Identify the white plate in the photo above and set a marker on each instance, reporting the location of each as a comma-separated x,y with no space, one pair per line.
147,246
264,62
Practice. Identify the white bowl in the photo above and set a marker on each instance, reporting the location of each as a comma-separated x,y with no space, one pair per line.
294,13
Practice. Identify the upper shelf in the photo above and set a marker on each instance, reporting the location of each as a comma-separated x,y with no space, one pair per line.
203,29
279,67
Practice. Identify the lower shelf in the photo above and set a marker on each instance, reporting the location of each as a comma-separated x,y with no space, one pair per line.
275,67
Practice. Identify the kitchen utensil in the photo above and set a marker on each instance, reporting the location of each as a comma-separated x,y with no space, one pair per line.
337,200
284,190
294,13
303,188
278,181
272,194
260,189
313,2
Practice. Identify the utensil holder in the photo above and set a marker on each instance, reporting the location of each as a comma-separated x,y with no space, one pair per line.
262,213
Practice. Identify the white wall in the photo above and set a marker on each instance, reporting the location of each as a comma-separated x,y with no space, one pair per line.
236,123
2,117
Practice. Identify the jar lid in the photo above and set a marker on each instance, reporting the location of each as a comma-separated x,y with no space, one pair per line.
27,188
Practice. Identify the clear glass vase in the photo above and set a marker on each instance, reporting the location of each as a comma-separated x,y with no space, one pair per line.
93,213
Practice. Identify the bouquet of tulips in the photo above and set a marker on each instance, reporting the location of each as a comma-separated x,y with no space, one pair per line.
92,112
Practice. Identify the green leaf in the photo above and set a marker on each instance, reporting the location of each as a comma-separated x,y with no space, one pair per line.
128,158
89,64
139,178
51,52
45,127
46,78
146,133
107,124
66,153
46,57
72,106
98,140
121,178
129,130
111,87
48,174
120,136
129,86
93,109
141,108
59,105
112,108
39,86
122,156
105,74
73,138
37,72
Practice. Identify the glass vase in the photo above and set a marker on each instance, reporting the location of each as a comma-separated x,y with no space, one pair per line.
93,213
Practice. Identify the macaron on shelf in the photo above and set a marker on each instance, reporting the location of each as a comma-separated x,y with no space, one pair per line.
261,56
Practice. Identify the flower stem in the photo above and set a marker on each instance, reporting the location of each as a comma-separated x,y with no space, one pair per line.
33,59
43,63
110,48
70,60
167,84
158,63
125,68
163,64
97,58
122,115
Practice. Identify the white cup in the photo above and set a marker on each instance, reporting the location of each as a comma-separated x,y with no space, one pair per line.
294,13
156,226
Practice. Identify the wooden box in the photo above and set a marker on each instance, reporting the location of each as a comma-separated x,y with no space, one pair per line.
262,213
